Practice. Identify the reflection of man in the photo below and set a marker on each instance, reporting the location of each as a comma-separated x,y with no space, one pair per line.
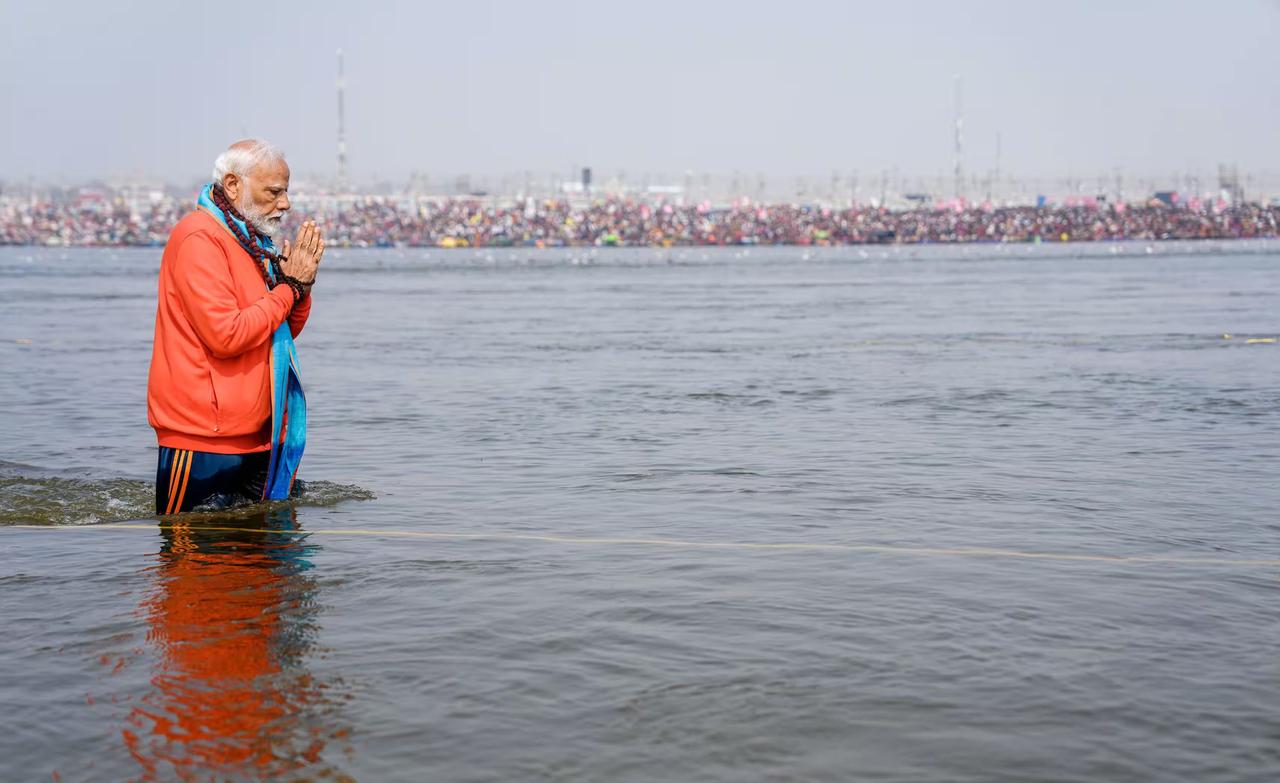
224,394
232,620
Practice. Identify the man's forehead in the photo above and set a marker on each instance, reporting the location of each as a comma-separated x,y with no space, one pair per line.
272,172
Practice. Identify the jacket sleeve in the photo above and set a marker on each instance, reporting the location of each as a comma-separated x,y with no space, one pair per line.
206,290
298,316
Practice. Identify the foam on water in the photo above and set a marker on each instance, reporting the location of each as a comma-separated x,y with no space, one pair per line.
35,496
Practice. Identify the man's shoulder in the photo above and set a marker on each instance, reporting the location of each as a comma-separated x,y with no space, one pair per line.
197,221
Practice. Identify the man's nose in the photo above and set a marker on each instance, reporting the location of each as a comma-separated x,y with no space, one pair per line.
282,203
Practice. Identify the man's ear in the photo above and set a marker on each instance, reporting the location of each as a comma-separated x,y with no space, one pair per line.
232,183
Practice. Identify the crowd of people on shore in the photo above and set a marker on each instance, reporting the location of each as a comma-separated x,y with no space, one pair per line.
410,222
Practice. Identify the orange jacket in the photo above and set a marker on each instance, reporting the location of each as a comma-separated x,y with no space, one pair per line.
209,385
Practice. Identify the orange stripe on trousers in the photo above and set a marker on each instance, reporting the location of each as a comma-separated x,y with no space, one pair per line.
173,471
175,478
186,475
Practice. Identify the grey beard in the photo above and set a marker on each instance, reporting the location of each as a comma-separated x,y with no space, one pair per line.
267,225
270,227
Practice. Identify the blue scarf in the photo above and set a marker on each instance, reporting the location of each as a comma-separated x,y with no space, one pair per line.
288,438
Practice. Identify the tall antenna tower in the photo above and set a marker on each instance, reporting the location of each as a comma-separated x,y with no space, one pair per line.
959,138
342,133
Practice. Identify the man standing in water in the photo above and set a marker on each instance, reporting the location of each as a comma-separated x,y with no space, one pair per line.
224,394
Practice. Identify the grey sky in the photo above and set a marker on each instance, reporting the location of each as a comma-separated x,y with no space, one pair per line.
157,88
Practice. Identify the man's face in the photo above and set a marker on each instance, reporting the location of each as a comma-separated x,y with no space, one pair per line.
263,196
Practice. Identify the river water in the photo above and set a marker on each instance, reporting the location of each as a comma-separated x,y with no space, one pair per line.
908,514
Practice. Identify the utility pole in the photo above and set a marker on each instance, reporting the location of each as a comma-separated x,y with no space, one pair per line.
342,140
959,173
997,174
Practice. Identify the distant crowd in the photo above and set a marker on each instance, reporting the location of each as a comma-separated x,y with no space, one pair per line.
389,221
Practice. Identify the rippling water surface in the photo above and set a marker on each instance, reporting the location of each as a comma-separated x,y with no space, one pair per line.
971,514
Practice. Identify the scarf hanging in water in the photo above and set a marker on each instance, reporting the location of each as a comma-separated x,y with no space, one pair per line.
288,403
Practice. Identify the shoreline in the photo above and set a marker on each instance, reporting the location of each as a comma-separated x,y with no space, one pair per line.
1109,242
612,223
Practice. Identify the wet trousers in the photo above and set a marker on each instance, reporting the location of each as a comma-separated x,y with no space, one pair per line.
187,479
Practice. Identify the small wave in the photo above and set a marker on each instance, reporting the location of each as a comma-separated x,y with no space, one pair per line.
728,398
670,473
31,496
35,496
329,493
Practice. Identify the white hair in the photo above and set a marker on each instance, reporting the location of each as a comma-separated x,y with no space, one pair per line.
244,157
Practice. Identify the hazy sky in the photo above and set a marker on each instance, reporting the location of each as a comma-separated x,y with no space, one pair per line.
94,89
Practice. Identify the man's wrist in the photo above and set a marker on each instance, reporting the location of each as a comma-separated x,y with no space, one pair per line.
299,290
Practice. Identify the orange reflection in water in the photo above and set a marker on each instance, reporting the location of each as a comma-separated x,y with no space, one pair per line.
232,619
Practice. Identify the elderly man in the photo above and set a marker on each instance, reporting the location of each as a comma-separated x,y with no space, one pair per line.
224,394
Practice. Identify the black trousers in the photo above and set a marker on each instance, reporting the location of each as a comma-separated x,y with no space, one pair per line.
186,479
